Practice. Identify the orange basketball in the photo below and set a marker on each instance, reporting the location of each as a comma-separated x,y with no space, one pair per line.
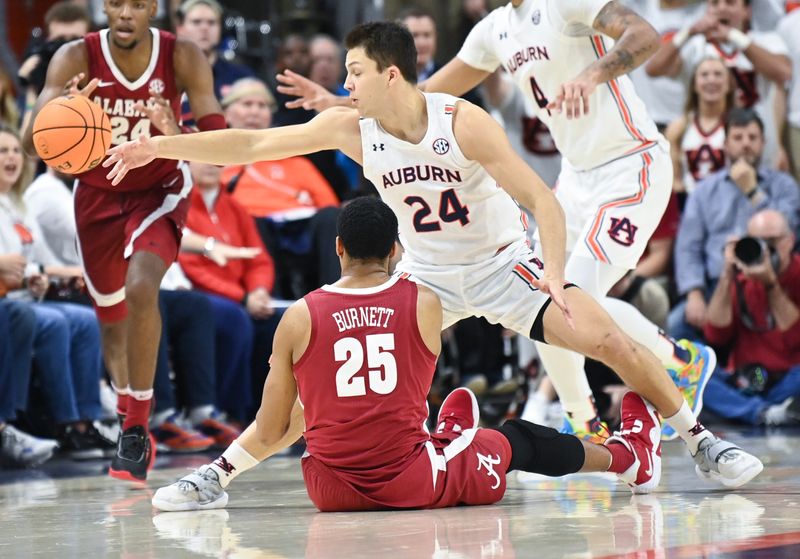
72,134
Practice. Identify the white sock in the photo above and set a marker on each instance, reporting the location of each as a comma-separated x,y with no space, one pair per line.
160,417
234,461
688,427
565,369
141,395
200,413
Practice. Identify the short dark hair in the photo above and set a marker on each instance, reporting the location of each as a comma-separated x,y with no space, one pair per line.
742,117
388,44
67,12
367,228
415,11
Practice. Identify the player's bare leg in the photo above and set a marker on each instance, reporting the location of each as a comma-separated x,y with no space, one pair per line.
597,336
136,451
114,339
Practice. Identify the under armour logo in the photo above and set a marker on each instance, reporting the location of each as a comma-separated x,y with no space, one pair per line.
536,17
489,463
224,465
504,35
376,147
622,231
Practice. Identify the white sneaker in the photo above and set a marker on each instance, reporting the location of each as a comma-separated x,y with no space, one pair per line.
19,449
199,490
725,462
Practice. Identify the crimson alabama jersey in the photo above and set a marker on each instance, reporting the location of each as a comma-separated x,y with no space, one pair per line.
363,381
117,96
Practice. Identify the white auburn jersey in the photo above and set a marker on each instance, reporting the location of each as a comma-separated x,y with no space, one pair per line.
449,210
703,152
541,50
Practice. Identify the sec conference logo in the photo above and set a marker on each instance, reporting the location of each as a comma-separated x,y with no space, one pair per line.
156,86
441,146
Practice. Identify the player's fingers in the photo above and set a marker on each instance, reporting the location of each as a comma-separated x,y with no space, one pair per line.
288,90
114,174
571,100
295,103
90,87
110,160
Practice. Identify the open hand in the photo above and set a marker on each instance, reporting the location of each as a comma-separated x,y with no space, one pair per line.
71,87
555,288
159,111
310,95
127,156
573,97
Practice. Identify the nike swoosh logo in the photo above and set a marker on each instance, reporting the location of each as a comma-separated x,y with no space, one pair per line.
649,471
105,84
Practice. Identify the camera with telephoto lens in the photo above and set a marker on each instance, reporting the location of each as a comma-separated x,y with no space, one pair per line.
752,250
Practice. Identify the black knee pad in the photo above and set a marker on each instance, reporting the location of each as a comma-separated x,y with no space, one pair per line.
542,450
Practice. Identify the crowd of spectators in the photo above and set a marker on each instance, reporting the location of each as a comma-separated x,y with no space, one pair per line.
724,88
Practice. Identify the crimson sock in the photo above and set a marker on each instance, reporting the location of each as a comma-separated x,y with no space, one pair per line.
139,403
122,399
621,458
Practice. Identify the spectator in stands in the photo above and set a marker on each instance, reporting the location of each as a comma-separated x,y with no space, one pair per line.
326,70
287,197
64,21
326,63
17,326
294,57
697,137
239,291
787,29
422,26
67,339
188,332
200,21
755,308
663,96
756,60
9,115
719,208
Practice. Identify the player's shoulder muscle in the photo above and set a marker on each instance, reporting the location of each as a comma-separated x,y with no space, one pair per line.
69,60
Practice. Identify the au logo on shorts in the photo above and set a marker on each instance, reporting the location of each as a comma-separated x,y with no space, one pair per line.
622,231
441,146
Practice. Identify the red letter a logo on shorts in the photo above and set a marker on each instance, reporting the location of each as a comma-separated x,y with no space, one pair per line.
622,231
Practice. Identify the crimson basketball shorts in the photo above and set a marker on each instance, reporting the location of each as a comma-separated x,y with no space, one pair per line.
452,469
113,225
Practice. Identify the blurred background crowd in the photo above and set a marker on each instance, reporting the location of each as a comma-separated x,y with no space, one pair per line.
262,235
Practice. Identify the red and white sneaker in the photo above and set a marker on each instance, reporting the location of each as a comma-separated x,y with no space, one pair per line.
459,412
640,432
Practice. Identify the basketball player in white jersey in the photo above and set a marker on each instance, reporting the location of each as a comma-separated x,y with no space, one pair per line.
570,58
446,169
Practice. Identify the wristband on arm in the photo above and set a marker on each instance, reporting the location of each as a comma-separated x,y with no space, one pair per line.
214,121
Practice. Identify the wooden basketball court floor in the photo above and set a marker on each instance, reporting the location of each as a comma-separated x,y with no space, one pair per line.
70,510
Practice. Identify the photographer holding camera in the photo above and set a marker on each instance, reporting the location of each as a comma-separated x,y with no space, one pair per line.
755,309
720,207
64,22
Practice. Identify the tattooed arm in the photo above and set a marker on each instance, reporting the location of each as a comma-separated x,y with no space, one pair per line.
635,40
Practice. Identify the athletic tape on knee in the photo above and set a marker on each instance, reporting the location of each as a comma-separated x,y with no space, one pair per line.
542,450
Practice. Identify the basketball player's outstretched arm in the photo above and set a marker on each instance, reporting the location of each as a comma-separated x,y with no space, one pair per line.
279,421
65,74
337,128
635,40
483,140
